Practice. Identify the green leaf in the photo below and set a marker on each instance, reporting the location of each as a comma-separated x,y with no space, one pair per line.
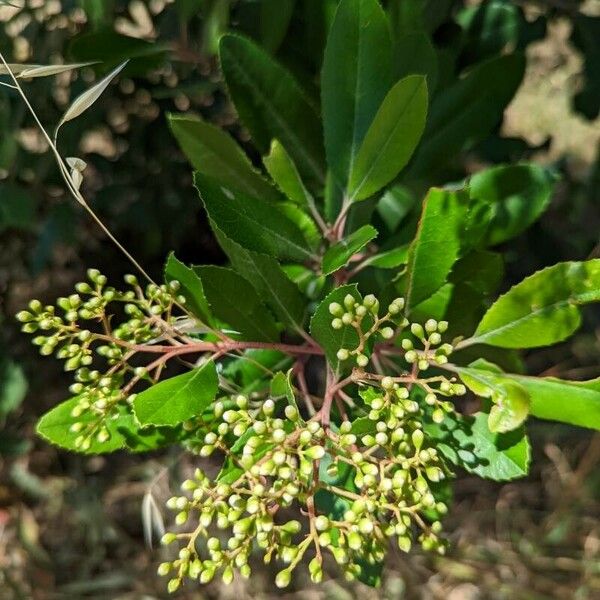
574,402
356,76
282,169
339,254
234,301
272,105
467,112
179,398
191,288
541,310
281,386
254,223
395,205
13,386
213,152
468,443
390,259
437,244
330,339
415,55
269,280
391,138
124,432
275,18
518,195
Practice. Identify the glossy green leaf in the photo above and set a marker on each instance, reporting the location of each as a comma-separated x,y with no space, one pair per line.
518,195
437,244
124,432
339,254
272,105
284,173
390,259
541,310
330,339
175,400
467,112
391,139
269,280
356,76
415,55
254,223
234,301
191,288
395,205
213,152
468,443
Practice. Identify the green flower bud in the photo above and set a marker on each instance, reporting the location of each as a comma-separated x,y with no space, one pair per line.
283,578
343,354
442,326
322,523
417,438
354,541
417,330
336,309
387,383
387,333
435,339
349,301
404,543
337,323
168,538
315,452
362,360
173,585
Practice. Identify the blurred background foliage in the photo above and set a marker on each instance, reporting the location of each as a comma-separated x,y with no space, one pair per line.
70,527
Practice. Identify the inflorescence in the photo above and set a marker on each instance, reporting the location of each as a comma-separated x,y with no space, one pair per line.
282,466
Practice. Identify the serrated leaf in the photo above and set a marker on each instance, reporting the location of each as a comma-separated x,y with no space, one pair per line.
272,105
234,301
468,443
391,139
437,244
330,339
269,280
191,288
339,254
179,398
517,196
85,100
541,310
356,75
254,223
213,152
284,173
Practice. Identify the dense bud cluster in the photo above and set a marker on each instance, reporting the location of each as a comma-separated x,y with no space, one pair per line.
80,330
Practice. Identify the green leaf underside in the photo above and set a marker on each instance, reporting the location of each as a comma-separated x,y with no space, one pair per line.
468,443
437,243
271,104
284,173
124,432
391,138
518,195
191,288
269,280
356,75
339,254
331,340
543,309
254,223
234,301
213,152
175,400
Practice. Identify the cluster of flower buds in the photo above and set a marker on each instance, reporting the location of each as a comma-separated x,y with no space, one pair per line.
364,318
60,331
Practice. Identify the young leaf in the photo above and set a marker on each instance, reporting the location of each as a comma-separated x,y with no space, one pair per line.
468,443
272,105
357,74
518,195
85,100
437,244
391,138
339,254
541,310
330,339
213,152
179,398
269,280
285,174
254,223
191,288
235,302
